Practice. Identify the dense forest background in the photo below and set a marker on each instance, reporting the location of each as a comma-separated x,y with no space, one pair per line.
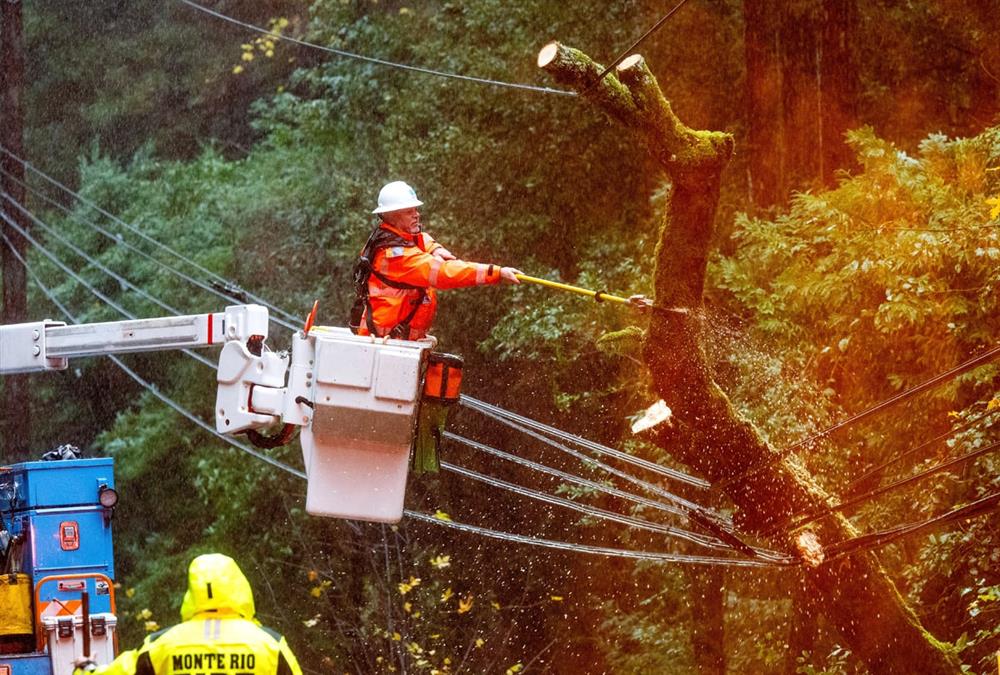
858,252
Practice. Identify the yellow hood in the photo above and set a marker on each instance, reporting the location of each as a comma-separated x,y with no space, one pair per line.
216,584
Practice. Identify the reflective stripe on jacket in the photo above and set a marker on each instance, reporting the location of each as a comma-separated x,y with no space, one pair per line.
219,633
226,644
415,265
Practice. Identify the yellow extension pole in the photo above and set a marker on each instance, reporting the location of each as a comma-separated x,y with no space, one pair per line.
600,296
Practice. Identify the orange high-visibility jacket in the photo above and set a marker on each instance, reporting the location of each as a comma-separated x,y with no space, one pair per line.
415,265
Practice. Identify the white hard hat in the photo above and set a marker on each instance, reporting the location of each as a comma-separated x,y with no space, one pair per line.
396,196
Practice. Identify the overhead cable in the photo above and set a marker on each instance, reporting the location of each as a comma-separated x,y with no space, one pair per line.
416,515
497,412
603,514
822,512
376,61
83,282
121,241
562,475
974,421
685,504
974,509
690,506
132,228
597,550
144,383
977,508
939,379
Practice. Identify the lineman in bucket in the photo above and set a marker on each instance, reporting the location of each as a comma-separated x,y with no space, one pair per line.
219,633
401,267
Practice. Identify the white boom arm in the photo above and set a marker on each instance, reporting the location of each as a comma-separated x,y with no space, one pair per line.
48,345
355,397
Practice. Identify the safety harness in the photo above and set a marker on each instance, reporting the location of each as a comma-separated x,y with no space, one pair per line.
379,239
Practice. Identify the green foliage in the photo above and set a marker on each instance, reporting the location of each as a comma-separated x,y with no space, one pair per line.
870,289
848,298
837,662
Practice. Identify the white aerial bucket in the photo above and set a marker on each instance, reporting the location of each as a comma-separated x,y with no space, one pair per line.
356,448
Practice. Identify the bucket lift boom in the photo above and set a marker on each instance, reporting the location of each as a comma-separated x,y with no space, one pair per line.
356,398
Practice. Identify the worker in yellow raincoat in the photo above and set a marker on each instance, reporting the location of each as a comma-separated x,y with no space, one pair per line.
219,633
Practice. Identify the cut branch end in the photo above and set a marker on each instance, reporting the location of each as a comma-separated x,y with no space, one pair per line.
548,54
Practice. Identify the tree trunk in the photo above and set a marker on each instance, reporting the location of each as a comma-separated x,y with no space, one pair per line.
765,140
16,388
857,595
708,614
801,93
838,86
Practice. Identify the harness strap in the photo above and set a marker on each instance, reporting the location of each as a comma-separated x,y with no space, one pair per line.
381,239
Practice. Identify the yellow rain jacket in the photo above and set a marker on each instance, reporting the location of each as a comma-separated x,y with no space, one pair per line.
219,633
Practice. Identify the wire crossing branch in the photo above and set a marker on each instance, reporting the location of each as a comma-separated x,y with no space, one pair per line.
856,593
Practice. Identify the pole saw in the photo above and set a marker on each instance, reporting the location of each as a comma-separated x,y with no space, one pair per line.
638,302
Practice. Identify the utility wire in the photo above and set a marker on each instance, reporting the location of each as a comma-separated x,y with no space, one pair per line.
867,496
627,51
416,515
377,61
597,550
586,509
937,380
699,539
864,542
892,460
707,518
147,385
61,265
979,507
562,475
684,504
497,413
688,505
132,228
764,554
119,240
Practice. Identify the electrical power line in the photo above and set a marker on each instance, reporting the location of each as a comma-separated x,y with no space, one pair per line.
879,539
603,514
597,550
562,475
377,61
502,415
939,379
871,494
645,485
119,240
83,282
168,401
846,547
689,507
968,424
132,228
416,515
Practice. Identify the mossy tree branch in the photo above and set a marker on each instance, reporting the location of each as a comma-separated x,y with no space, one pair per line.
708,433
